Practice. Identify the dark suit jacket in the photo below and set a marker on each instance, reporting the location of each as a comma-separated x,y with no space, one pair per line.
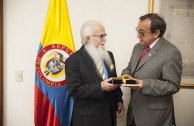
92,106
160,71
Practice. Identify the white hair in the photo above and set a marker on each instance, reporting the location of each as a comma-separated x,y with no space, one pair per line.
99,54
88,29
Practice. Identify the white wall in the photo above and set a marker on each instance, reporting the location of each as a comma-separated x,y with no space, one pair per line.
23,26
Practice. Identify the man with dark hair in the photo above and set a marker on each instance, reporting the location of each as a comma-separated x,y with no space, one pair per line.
156,65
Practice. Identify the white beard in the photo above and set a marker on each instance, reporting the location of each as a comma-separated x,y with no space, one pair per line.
99,55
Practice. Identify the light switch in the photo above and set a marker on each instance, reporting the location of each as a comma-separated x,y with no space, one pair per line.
18,76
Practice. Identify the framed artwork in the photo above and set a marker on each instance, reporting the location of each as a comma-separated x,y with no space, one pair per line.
179,16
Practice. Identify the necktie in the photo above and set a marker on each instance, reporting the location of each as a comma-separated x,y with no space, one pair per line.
147,49
101,70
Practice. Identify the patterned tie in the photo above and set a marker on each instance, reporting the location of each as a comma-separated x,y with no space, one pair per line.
101,71
147,49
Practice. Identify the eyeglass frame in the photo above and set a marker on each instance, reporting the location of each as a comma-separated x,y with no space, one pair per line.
141,33
100,36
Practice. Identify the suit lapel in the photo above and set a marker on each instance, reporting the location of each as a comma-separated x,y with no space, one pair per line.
137,55
150,54
147,57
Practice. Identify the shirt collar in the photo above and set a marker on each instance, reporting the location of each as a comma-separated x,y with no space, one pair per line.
152,45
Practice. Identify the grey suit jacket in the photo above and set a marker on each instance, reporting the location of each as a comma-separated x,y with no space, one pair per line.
92,106
160,71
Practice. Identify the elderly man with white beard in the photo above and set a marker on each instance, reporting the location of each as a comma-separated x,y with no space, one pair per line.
88,72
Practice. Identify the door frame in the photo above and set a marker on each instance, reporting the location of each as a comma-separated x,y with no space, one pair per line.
1,62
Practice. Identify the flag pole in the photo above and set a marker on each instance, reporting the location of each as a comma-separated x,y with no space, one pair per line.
151,6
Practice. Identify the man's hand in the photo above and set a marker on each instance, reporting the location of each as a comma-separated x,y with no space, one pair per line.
120,109
107,86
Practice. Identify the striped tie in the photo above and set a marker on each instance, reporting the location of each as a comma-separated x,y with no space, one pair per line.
101,71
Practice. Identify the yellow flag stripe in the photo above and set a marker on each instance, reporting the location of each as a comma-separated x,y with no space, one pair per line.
57,28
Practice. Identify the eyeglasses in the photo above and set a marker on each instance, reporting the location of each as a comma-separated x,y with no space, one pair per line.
140,32
100,36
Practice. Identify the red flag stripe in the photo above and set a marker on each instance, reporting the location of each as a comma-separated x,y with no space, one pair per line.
44,114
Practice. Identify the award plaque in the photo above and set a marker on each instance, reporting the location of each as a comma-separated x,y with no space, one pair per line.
123,81
116,80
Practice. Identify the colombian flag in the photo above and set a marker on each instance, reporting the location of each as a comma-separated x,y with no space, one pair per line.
53,105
